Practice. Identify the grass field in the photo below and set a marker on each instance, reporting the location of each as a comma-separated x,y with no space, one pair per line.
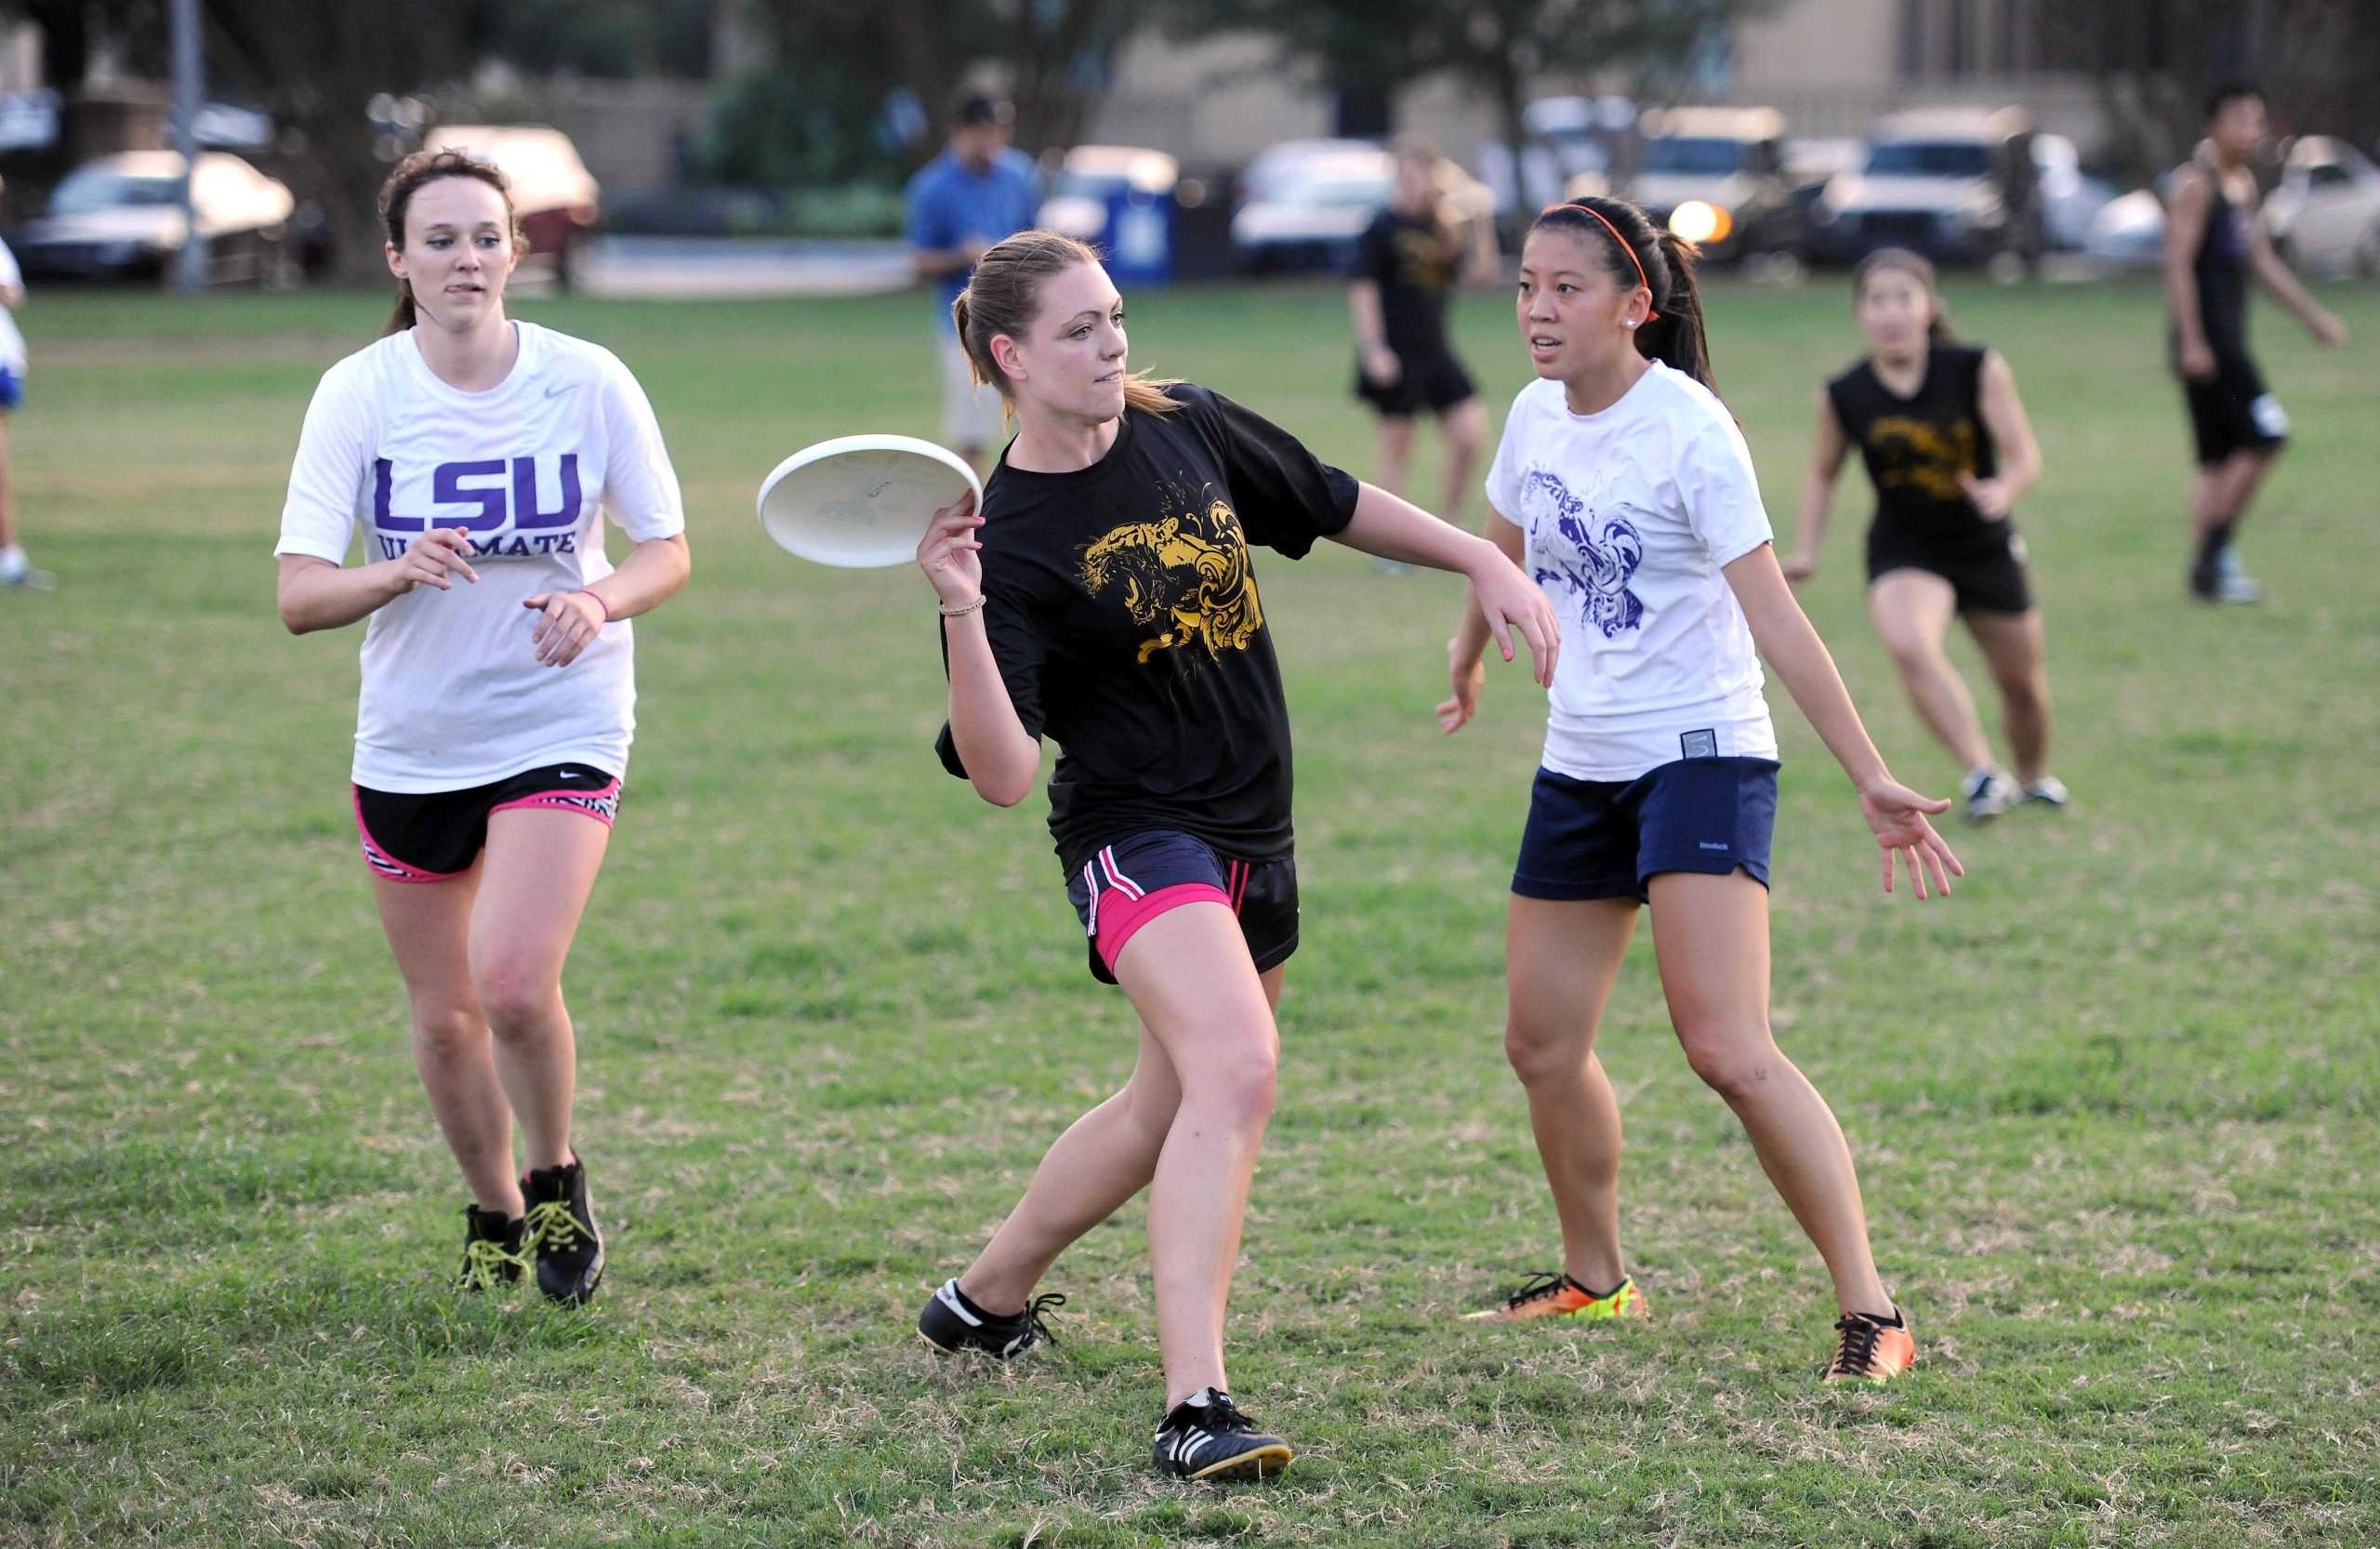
2115,1103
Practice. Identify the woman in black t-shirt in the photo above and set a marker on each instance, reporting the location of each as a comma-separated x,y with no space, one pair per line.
1949,450
1408,265
1106,596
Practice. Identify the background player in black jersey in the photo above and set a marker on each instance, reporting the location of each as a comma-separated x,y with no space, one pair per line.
1406,267
1949,449
2213,239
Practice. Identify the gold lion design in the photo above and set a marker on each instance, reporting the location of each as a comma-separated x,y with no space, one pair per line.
1190,585
1931,461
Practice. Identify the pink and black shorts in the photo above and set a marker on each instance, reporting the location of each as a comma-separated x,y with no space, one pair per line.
429,835
1129,882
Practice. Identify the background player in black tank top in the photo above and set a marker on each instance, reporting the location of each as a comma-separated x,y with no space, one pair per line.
1408,266
2213,239
1948,446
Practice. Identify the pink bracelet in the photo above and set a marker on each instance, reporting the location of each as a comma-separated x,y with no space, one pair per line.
590,592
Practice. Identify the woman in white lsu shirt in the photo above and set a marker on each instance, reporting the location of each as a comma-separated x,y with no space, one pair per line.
475,456
1624,487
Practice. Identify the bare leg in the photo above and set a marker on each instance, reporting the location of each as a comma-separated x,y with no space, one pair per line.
428,925
8,489
1560,961
1395,453
1104,1158
1466,428
2220,491
2013,644
1189,977
1710,938
538,869
1912,611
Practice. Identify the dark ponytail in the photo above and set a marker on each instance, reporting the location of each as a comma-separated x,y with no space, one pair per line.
1637,252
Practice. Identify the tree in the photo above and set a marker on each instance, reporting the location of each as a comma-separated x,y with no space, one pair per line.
314,67
1056,54
1499,48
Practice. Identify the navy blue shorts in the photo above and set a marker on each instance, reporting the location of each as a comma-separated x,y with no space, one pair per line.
1607,839
1131,882
12,389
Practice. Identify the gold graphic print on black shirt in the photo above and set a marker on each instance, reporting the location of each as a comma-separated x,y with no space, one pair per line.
1925,457
1184,576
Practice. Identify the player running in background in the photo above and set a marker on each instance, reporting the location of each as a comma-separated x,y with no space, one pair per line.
1106,597
477,455
1949,451
2213,240
1407,266
16,569
1624,486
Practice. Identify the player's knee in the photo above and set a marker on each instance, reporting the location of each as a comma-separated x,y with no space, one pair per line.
1731,1061
1238,1083
447,1033
1541,1051
1913,652
514,993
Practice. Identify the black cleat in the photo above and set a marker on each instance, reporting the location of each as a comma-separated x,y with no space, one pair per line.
1206,1437
492,1249
562,1227
950,1324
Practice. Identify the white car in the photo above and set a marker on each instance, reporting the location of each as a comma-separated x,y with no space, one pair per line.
2326,215
120,217
1306,203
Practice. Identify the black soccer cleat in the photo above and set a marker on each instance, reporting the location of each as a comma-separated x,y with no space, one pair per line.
951,1324
561,1228
1206,1437
492,1249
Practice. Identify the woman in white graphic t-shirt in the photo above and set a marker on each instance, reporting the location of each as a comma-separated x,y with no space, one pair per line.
476,457
1624,487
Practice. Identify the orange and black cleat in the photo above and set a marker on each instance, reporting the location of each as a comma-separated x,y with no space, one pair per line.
1552,1294
1870,1350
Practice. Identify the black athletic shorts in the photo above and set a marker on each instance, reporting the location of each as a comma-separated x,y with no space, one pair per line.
1429,383
430,836
1987,578
1131,882
2233,411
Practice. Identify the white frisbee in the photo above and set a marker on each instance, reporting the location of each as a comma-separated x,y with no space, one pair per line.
861,502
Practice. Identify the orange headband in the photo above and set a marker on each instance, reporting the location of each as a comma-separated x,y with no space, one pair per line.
1573,204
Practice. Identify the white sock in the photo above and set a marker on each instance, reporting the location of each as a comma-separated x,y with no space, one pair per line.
13,562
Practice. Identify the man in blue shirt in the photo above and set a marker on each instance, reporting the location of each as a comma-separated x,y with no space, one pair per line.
966,199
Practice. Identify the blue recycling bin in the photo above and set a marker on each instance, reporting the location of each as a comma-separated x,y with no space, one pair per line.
1139,238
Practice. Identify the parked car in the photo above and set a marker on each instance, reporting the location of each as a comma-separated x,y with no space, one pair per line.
2129,230
120,217
553,193
2325,214
1957,184
1716,177
1307,201
2070,197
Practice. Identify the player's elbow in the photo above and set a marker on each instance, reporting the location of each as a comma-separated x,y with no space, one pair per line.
1003,792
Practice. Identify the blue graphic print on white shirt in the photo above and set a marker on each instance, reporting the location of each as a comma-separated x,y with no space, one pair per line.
1608,553
1631,515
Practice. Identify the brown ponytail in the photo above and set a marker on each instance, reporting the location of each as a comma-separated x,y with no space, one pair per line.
1004,296
1637,252
1916,267
410,177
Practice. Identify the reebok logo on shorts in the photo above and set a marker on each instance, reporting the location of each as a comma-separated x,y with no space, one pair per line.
1709,844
